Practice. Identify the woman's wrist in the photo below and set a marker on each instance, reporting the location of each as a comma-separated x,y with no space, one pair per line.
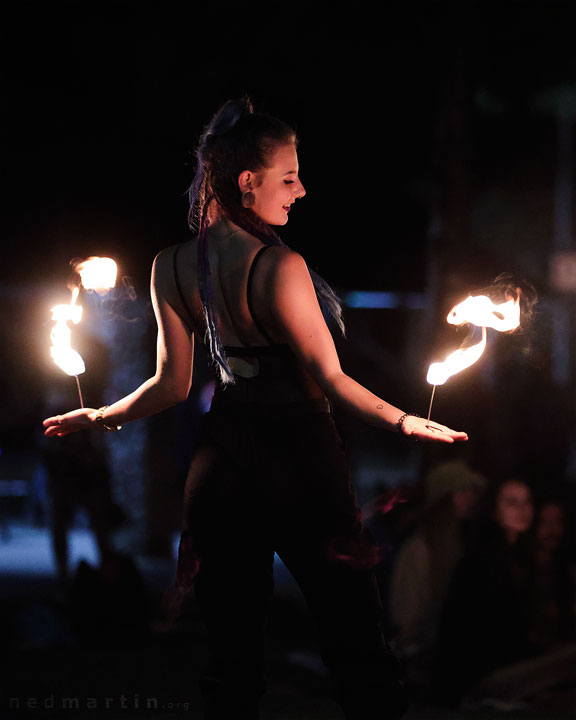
400,423
100,422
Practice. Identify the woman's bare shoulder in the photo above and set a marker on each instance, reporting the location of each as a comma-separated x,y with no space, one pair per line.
163,266
285,265
285,278
165,257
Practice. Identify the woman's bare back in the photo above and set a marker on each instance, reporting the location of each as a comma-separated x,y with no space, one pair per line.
231,252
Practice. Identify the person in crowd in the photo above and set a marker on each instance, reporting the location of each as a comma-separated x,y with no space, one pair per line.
425,563
534,651
553,601
78,477
484,624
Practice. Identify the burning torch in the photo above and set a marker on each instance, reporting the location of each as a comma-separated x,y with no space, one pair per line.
481,312
94,273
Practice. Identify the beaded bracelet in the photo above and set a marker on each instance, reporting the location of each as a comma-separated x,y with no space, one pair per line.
400,423
99,420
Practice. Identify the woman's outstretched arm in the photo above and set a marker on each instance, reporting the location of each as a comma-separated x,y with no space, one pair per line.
296,314
174,360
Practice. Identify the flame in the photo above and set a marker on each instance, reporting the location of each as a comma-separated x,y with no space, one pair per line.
98,274
476,310
67,359
457,361
479,310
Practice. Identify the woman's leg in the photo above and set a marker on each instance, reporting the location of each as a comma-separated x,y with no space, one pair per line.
233,585
319,536
344,601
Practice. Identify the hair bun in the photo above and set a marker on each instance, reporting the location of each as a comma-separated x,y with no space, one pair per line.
228,116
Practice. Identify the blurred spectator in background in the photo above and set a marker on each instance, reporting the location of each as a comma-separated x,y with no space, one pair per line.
553,609
425,563
536,635
77,477
485,623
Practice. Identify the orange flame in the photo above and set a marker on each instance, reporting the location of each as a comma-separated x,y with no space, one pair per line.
97,274
457,361
67,359
482,312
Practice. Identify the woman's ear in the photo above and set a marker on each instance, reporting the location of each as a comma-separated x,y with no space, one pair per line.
246,181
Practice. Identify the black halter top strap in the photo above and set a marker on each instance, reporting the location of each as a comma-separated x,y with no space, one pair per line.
251,308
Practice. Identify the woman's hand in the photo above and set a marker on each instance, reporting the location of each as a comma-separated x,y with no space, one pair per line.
430,431
61,425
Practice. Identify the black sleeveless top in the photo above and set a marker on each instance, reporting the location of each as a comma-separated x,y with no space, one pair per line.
279,380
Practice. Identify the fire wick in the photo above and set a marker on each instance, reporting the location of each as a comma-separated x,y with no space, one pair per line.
79,391
430,407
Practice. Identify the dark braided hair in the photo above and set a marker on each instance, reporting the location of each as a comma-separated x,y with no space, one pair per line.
237,139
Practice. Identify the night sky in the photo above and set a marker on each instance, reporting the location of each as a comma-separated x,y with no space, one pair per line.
421,130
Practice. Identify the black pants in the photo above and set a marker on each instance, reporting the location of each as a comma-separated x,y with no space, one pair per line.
264,484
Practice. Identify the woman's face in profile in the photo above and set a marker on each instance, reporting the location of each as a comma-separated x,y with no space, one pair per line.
279,186
514,509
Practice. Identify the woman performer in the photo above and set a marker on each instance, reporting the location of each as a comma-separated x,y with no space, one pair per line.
269,474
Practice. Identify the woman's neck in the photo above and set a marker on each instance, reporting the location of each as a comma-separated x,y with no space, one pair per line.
222,227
